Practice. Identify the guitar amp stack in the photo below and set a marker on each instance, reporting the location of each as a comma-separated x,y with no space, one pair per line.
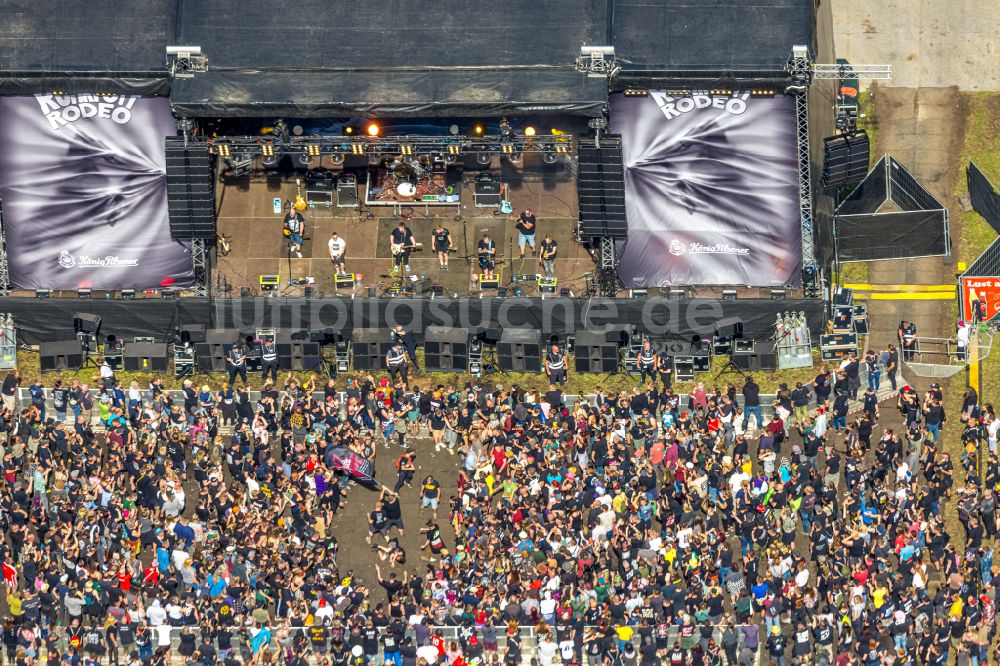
487,190
347,191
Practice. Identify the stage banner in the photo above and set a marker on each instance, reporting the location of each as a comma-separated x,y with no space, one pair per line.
981,293
711,189
84,193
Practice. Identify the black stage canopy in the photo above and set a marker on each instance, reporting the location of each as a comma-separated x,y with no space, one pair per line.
396,57
46,320
85,47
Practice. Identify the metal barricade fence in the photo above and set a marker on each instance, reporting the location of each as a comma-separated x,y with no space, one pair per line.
163,635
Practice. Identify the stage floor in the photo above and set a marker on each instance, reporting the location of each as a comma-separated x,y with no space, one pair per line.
246,215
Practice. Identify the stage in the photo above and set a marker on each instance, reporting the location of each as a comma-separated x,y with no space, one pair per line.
247,218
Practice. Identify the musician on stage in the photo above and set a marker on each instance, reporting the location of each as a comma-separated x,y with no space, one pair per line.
548,255
442,243
487,256
236,361
337,247
555,365
526,225
401,244
295,225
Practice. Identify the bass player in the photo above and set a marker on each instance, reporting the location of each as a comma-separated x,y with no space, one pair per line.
401,244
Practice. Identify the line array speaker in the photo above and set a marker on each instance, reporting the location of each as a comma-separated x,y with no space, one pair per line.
845,158
190,200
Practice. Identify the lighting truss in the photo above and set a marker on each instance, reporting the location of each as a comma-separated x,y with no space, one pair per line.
226,146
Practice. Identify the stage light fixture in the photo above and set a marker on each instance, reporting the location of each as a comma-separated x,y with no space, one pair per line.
729,295
304,159
357,149
267,150
224,149
453,130
128,294
83,293
269,161
777,294
636,92
348,130
454,150
373,129
529,131
406,149
478,130
514,157
168,294
337,158
314,150
484,158
549,157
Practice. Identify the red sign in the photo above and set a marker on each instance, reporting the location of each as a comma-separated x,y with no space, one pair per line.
980,291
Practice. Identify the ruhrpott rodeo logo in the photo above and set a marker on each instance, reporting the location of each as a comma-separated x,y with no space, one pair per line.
61,110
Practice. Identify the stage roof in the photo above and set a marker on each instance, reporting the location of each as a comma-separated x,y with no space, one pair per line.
395,57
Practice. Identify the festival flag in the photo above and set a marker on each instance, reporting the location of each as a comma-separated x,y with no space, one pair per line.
9,575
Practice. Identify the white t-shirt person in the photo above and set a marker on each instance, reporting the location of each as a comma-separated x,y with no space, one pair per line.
337,246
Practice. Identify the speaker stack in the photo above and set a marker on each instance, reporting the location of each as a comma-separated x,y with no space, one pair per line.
593,353
146,357
446,349
845,158
61,355
519,350
369,347
754,356
211,353
299,355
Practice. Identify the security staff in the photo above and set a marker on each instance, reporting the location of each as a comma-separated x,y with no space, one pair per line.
395,361
665,366
268,361
907,336
409,342
645,362
236,361
555,365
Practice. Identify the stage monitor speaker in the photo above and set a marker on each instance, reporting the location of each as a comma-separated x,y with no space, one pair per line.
446,349
845,158
593,353
520,350
190,195
61,355
743,361
765,356
702,362
85,322
743,346
146,357
684,368
299,355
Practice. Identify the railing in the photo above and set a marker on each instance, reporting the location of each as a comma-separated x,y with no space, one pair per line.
164,635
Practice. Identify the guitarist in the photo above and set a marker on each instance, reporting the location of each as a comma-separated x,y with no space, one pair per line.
294,225
401,243
487,256
526,225
442,243
337,247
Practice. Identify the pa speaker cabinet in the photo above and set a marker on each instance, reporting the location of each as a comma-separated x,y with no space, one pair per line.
211,357
62,355
369,347
593,353
86,322
765,356
194,333
146,357
683,368
299,355
520,349
446,349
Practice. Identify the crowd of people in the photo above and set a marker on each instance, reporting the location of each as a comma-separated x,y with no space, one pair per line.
143,526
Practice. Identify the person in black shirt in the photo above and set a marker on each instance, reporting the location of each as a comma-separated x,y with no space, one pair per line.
487,256
645,360
294,226
907,336
751,403
526,225
236,359
555,365
548,256
442,244
401,244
